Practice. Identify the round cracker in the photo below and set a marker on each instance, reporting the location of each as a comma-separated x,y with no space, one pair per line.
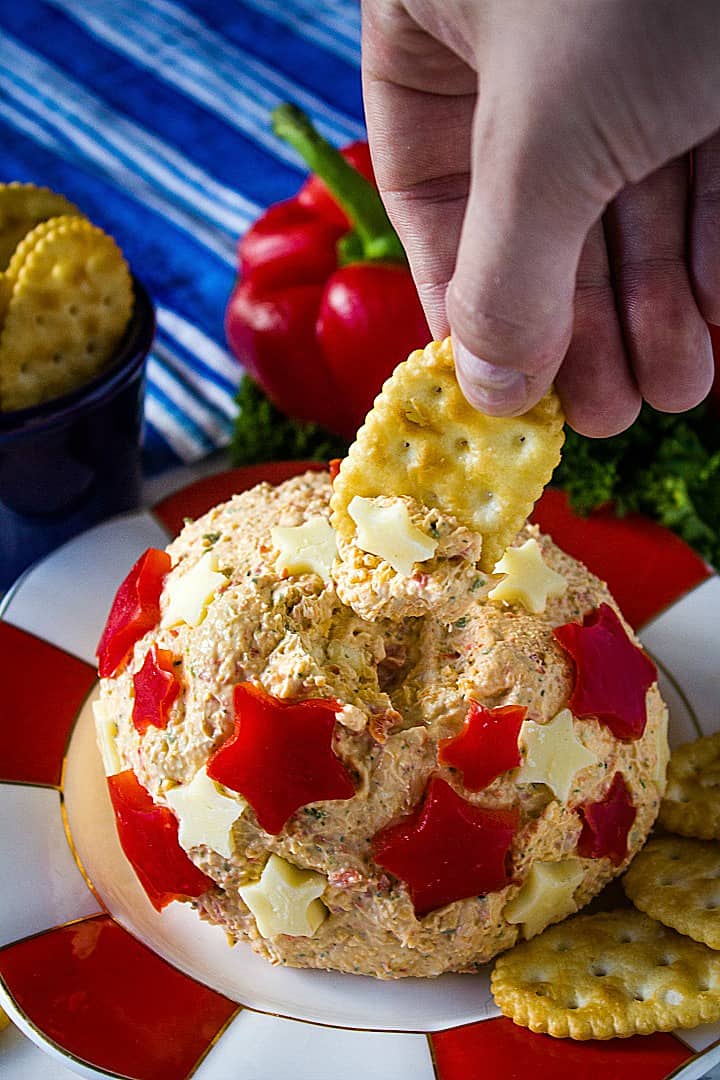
691,806
67,312
677,882
423,439
616,973
22,207
20,254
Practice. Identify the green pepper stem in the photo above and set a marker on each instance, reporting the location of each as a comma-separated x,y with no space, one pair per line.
356,195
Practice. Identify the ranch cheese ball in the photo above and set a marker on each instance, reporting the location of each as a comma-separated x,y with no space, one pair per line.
393,795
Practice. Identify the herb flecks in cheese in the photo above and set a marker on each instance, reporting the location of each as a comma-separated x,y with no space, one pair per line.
187,597
553,754
286,899
309,548
529,581
105,734
546,895
662,750
387,531
205,814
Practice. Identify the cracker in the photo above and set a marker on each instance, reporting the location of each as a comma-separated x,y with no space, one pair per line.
617,973
424,440
22,207
677,882
70,304
20,254
691,806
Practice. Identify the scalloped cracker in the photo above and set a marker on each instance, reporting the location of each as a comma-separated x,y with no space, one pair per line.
617,973
677,882
691,806
70,303
423,439
22,207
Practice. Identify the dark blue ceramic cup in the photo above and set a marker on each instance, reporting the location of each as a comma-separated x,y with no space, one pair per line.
72,461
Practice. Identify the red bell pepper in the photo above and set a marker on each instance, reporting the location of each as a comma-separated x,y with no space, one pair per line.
606,824
447,849
612,675
134,611
156,686
148,835
280,755
325,307
487,745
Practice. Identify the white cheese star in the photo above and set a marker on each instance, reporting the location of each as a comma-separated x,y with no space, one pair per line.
529,581
553,754
205,814
309,548
285,899
105,734
546,895
188,596
386,531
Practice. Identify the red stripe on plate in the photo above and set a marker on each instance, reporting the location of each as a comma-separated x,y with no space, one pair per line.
503,1051
42,690
198,498
104,998
645,565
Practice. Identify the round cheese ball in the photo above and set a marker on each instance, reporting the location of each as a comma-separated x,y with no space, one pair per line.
386,878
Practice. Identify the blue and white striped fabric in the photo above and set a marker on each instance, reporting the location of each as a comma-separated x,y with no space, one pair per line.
153,116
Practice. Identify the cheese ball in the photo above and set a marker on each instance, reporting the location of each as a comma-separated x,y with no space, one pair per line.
475,798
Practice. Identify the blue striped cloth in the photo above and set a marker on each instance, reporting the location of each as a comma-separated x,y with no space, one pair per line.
153,116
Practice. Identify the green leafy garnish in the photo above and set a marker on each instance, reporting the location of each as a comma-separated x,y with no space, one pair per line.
263,433
665,466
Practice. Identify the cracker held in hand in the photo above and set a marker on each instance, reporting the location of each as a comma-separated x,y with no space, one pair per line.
691,806
677,881
22,207
617,973
423,439
71,301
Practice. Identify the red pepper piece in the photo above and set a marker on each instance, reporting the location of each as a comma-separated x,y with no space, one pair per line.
334,468
315,194
156,686
148,835
612,675
134,611
447,849
606,824
369,314
326,307
487,746
289,245
280,755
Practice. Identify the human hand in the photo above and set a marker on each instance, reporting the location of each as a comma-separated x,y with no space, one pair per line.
533,157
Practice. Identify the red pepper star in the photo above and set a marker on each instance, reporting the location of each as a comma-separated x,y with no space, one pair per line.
156,686
134,611
148,835
606,823
447,849
612,675
280,756
487,746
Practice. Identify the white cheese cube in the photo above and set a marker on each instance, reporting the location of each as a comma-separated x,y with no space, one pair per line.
546,895
309,548
386,531
187,597
205,814
286,899
529,581
553,754
106,734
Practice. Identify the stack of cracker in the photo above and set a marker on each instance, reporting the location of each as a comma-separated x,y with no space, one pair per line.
65,296
632,972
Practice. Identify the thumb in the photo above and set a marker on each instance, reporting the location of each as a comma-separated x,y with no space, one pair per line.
510,300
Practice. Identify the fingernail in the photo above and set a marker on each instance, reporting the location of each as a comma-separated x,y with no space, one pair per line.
487,386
